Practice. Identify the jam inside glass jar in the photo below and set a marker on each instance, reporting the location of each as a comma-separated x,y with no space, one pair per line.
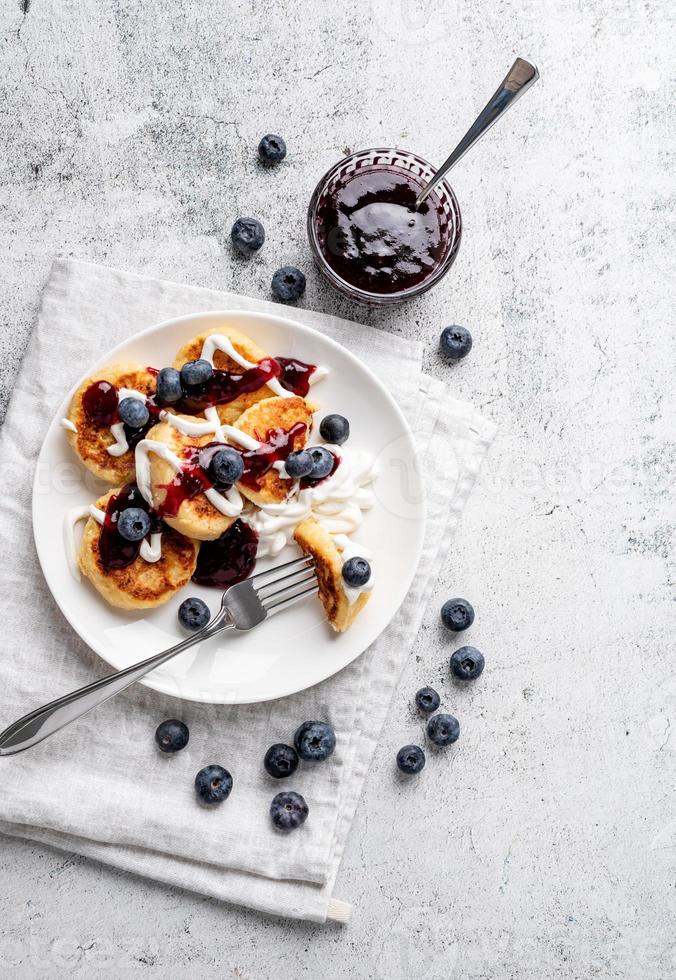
368,237
372,234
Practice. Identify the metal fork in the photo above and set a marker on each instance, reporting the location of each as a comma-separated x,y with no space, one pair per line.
243,606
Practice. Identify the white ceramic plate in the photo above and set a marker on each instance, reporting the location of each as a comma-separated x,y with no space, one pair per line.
294,649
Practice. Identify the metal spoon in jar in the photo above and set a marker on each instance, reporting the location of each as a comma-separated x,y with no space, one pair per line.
518,80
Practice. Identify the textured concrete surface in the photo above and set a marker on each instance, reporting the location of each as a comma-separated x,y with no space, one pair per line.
545,845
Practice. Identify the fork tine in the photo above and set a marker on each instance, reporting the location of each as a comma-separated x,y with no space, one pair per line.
312,577
261,590
285,603
299,563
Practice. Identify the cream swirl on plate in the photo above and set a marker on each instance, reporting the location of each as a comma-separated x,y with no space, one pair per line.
338,503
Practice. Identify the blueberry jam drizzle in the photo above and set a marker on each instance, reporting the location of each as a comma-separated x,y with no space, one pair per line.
100,402
295,375
276,446
114,550
190,480
229,559
226,386
193,478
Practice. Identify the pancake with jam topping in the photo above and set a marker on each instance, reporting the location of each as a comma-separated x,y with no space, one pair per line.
315,540
93,409
183,499
140,584
284,426
230,396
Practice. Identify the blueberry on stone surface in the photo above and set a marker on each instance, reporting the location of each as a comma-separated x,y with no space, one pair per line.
314,741
457,615
280,760
271,149
247,235
213,784
322,463
172,735
299,464
194,373
443,729
133,412
455,342
193,614
226,466
356,572
427,700
133,524
288,283
168,388
467,663
410,759
288,811
335,429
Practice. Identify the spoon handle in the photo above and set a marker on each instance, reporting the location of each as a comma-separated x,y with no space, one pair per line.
518,80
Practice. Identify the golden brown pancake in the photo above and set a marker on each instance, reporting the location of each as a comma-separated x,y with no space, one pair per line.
196,517
228,411
274,413
315,540
142,584
90,442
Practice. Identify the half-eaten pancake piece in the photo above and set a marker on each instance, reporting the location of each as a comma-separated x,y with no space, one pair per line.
195,516
315,540
261,421
228,411
91,441
143,584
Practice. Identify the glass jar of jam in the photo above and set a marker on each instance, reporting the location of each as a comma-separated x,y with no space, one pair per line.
367,236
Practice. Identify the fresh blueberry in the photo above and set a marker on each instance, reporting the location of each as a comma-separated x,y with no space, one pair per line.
288,811
427,700
226,467
193,614
322,463
213,784
133,524
288,283
314,741
194,373
247,235
443,729
299,464
168,389
271,149
457,615
133,412
335,429
411,759
356,572
280,760
455,342
172,735
467,663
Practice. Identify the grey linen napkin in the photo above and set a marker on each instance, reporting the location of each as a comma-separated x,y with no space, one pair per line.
93,796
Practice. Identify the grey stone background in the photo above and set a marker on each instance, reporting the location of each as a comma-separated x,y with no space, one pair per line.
543,846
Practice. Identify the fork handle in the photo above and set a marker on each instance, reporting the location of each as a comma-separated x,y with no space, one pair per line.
45,721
